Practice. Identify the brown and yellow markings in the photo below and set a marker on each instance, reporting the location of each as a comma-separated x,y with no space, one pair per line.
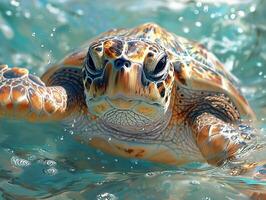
146,110
118,149
15,72
23,106
76,58
113,48
4,94
123,104
136,51
57,96
18,92
49,106
179,72
101,107
36,100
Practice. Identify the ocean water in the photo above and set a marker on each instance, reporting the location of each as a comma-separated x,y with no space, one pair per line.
42,160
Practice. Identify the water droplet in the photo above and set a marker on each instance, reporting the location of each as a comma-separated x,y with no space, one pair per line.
196,12
198,24
116,160
33,34
252,8
259,64
50,162
240,30
19,162
27,14
61,138
195,182
150,174
260,73
14,3
180,19
186,30
8,13
106,196
241,13
80,12
205,8
88,158
54,29
52,35
42,45
51,171
233,16
199,4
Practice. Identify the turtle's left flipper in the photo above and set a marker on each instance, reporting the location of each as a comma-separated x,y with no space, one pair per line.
23,95
218,140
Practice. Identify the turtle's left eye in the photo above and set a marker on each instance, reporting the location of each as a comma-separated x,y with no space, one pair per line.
158,70
160,65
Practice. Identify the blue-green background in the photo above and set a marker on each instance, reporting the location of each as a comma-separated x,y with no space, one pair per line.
43,160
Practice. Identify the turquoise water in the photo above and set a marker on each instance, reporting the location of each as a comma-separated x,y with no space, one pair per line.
44,161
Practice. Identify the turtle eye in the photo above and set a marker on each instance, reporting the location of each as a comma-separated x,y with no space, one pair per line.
90,65
158,71
160,65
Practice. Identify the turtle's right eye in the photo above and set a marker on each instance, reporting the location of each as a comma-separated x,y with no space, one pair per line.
90,65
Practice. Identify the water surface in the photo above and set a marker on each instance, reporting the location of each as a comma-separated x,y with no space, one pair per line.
43,160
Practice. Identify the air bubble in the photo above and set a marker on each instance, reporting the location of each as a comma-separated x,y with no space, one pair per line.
42,45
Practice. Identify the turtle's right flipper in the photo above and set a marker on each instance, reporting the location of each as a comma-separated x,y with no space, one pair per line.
23,95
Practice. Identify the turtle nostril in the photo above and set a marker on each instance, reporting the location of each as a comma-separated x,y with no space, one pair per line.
127,64
121,62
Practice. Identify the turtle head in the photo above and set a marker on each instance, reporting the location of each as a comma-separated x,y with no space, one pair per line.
128,83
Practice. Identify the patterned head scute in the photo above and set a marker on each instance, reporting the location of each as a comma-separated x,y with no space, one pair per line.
132,76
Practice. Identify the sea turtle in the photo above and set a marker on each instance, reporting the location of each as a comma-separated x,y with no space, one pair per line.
142,93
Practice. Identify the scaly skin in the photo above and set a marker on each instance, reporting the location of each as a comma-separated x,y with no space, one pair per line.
25,96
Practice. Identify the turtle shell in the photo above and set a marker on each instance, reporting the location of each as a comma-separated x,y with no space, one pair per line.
201,70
